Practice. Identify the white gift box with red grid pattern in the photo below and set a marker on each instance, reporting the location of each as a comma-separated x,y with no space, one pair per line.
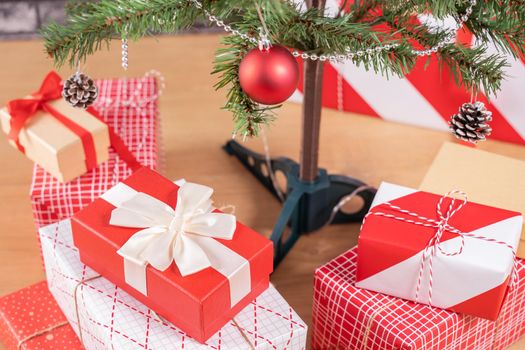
130,107
111,319
346,317
426,97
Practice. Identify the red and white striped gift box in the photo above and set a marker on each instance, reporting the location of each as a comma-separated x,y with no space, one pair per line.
130,107
438,250
346,317
427,97
109,318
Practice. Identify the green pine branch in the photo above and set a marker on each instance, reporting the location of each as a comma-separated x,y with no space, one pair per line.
503,23
90,31
248,116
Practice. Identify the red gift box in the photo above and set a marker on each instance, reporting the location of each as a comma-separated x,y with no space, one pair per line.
347,317
31,319
199,303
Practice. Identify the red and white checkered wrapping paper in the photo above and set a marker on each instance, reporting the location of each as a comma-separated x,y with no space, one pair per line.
427,96
130,107
346,317
111,319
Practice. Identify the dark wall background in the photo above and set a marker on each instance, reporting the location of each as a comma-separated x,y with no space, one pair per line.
23,18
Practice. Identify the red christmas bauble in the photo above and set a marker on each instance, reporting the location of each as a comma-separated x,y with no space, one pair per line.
269,76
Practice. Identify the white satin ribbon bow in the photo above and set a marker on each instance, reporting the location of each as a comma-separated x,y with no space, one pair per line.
184,234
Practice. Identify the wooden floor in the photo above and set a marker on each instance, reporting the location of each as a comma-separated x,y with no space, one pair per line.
194,129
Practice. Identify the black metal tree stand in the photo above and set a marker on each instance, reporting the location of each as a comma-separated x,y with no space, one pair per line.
311,193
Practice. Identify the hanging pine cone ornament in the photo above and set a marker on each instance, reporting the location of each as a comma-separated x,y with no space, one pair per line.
80,90
471,122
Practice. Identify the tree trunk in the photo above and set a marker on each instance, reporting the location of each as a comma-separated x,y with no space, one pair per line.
313,84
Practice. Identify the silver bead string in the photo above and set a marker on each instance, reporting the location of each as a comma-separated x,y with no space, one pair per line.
220,23
124,46
349,54
264,33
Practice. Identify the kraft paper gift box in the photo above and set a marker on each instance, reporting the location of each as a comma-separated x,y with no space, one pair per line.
347,317
133,233
106,317
438,250
65,141
130,107
30,319
488,178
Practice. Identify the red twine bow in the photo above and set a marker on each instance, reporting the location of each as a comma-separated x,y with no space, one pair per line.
442,225
22,110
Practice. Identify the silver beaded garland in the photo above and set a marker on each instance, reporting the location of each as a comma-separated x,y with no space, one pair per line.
447,40
124,46
124,51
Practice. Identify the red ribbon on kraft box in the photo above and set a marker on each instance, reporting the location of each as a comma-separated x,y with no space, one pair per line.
21,111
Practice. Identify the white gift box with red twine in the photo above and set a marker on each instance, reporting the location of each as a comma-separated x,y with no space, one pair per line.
105,317
438,250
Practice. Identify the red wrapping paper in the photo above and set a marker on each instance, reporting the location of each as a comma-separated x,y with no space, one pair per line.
347,317
30,319
199,304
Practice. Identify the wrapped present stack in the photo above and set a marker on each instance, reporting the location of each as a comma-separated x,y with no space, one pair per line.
135,231
432,271
133,259
129,106
102,313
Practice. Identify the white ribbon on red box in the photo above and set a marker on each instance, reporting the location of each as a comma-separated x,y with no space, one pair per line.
184,235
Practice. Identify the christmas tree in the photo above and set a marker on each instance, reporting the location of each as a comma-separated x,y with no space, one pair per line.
383,36
380,35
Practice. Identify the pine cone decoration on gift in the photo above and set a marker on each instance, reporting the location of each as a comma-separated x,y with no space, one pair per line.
80,90
471,122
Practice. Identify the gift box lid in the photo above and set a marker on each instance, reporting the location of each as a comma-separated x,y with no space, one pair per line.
206,293
31,319
488,178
